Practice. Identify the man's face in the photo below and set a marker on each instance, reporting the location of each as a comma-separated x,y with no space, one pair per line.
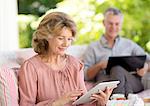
112,25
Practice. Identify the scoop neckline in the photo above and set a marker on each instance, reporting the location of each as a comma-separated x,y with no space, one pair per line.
49,67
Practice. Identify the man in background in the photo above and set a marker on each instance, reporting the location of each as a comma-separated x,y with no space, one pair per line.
112,44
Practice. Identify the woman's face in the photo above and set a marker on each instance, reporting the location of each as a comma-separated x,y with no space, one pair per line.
58,44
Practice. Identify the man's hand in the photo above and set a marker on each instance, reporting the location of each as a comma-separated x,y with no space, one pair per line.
94,70
103,64
141,72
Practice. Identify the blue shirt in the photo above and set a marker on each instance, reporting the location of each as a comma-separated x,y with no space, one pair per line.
99,50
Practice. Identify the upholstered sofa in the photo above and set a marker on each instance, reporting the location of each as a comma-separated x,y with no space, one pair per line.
10,62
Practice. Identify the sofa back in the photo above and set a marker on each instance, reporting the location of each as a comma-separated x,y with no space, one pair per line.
15,58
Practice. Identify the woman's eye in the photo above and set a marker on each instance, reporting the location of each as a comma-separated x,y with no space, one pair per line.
60,38
70,39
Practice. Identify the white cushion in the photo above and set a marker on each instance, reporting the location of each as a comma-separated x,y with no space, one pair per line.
76,50
24,54
8,58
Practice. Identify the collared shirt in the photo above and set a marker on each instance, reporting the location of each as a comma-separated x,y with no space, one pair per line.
100,51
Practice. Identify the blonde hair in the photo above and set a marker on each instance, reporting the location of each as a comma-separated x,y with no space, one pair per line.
51,25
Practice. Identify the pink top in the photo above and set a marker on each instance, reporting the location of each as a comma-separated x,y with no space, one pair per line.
39,84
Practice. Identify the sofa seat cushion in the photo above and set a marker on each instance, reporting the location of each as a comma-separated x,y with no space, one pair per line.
144,94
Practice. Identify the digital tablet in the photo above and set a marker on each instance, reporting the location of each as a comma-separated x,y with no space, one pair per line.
101,86
130,63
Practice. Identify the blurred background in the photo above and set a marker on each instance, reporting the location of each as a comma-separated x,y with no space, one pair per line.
88,14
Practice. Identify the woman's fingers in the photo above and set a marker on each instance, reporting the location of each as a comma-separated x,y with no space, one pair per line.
99,99
93,100
102,97
108,90
75,94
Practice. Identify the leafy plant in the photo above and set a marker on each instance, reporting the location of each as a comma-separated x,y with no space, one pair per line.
36,7
27,25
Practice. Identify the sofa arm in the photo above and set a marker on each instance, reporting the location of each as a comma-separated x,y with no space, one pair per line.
146,80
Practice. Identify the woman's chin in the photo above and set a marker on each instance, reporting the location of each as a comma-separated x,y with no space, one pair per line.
62,53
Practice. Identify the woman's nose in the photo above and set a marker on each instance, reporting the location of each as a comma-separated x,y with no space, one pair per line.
66,43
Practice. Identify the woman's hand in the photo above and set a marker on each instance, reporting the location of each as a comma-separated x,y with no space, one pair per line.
68,97
102,97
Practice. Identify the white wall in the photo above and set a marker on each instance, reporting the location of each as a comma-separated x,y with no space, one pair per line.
8,25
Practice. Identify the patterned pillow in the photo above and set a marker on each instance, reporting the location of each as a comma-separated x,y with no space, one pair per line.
8,87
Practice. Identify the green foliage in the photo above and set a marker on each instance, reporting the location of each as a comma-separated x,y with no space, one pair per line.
136,24
36,7
88,15
88,22
28,23
27,26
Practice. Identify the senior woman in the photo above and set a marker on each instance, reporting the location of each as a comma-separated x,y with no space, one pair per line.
53,78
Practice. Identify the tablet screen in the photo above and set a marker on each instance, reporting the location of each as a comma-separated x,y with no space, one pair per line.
101,86
130,63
